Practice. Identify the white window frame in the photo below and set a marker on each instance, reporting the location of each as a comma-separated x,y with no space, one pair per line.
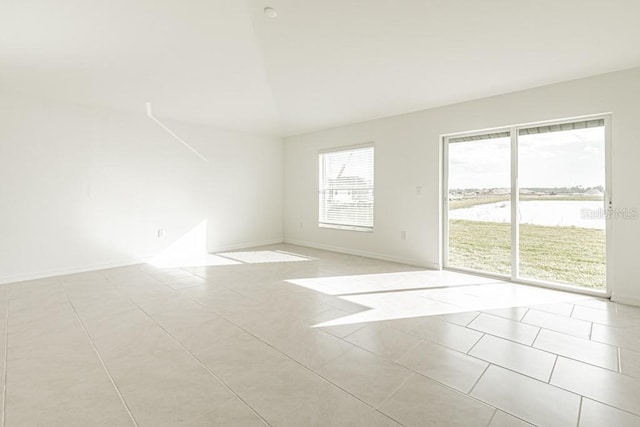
349,227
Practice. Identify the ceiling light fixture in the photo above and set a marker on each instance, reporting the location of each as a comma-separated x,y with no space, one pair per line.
270,12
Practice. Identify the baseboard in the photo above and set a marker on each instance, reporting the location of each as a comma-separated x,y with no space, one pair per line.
68,270
93,267
246,245
624,299
366,254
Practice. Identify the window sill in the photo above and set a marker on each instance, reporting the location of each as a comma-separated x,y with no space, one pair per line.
347,227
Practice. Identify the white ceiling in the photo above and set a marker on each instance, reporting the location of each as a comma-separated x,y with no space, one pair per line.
319,64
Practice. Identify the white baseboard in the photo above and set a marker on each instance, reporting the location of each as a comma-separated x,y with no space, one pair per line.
624,299
124,263
68,270
366,254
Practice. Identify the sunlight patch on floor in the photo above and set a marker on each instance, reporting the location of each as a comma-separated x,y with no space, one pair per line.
432,302
190,250
397,281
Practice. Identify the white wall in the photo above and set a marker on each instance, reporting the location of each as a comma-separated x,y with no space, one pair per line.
408,155
83,187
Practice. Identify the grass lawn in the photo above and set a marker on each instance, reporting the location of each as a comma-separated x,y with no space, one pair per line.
557,254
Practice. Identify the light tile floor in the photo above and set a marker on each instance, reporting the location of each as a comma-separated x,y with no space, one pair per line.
291,336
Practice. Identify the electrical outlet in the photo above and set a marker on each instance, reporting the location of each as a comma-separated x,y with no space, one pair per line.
419,190
160,233
403,235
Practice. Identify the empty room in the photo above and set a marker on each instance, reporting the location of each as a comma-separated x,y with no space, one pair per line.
319,213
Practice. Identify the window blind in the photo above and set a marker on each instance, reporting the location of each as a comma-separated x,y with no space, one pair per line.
346,189
562,127
481,137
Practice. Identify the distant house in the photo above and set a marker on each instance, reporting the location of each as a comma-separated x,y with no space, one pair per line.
593,192
350,189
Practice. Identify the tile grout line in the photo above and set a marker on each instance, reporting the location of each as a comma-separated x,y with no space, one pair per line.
504,319
609,405
458,391
513,369
596,400
406,380
502,337
471,321
414,372
202,365
102,362
580,411
305,367
450,387
5,370
553,368
519,418
535,379
343,338
479,378
572,358
475,344
536,337
493,417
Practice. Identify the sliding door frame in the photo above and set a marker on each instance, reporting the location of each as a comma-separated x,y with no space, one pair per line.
515,200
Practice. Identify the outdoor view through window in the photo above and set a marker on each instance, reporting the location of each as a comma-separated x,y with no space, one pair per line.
561,216
346,189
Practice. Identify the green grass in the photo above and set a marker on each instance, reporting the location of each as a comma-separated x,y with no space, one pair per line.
557,254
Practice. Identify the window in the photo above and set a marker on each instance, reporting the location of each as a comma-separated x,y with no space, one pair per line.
346,189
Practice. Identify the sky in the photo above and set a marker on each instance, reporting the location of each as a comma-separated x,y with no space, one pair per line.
555,159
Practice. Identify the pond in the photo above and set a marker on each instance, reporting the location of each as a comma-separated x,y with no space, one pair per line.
557,213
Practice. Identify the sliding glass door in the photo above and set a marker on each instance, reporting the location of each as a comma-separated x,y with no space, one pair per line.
528,203
561,173
479,216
